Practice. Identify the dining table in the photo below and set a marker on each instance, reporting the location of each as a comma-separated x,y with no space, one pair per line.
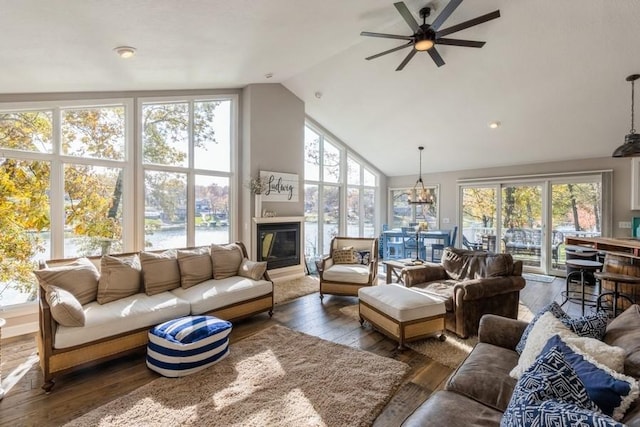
425,239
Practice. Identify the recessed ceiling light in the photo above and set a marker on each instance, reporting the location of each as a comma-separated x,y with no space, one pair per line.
494,125
125,52
318,94
268,75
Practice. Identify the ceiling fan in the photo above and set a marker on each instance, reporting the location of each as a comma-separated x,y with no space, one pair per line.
426,36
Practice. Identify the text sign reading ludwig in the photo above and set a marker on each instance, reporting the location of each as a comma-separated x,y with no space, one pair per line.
281,187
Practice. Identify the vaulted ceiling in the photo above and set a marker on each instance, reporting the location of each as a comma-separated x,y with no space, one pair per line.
552,72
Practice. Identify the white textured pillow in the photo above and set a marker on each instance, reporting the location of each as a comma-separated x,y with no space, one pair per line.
546,327
252,269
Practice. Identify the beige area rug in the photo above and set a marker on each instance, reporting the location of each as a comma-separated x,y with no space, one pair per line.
286,291
450,352
277,377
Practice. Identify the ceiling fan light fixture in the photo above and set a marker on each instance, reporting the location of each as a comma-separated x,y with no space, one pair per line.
631,146
422,45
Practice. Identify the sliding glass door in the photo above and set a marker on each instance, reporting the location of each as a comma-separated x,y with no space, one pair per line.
530,219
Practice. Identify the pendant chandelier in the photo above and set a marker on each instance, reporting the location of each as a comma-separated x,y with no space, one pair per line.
422,195
631,146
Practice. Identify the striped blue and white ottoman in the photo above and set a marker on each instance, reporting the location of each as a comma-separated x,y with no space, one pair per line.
186,345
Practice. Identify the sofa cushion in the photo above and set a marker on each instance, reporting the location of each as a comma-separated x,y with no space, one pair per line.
226,260
349,273
445,408
462,264
484,376
612,391
441,288
624,332
160,272
252,269
65,308
214,294
363,257
195,266
120,316
79,277
119,277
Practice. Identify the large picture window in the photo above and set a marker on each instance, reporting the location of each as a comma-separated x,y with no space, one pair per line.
340,193
71,185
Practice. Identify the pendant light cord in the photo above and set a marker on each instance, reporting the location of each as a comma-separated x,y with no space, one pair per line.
633,130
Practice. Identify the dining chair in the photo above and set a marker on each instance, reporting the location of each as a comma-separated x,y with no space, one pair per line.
438,248
409,243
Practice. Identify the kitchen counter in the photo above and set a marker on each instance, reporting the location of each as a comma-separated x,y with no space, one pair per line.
623,246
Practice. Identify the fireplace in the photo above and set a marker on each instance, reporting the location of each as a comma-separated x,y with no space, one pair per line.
278,244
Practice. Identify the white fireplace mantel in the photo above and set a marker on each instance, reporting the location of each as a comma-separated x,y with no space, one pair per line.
285,273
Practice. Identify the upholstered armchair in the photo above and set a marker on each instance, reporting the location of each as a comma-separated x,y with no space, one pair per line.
471,284
352,263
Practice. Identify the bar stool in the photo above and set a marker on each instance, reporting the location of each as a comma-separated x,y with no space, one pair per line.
616,278
580,267
581,252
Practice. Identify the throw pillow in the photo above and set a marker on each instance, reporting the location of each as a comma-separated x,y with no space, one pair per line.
160,272
79,277
613,392
591,325
555,413
226,260
65,308
119,278
252,269
344,256
363,257
548,326
552,393
195,266
557,312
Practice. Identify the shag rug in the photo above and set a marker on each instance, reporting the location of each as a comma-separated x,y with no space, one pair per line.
277,377
286,291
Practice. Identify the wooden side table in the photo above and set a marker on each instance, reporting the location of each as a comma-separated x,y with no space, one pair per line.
2,323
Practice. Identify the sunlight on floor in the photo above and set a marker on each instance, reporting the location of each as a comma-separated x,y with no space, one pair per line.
12,379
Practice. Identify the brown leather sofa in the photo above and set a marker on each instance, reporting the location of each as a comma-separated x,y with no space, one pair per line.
472,283
478,392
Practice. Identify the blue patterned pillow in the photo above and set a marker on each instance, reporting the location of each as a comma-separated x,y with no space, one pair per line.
555,413
611,391
591,325
363,257
554,308
551,393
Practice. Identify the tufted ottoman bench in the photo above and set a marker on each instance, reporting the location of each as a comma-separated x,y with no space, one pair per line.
402,313
186,345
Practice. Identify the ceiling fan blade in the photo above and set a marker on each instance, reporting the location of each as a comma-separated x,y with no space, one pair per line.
467,24
436,57
408,17
457,42
405,60
386,36
388,51
446,12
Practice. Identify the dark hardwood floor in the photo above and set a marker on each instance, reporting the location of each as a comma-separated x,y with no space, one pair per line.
25,403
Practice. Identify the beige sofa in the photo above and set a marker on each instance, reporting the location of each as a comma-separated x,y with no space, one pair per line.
99,308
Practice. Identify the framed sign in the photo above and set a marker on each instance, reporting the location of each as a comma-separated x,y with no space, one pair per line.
280,187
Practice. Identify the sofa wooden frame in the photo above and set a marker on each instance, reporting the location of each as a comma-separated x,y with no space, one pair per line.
54,361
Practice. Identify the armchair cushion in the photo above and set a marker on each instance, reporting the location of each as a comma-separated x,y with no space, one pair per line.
348,273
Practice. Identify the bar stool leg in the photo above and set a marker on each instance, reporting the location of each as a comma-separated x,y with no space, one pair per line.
582,287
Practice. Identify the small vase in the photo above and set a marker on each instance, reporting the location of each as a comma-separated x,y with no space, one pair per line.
257,204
